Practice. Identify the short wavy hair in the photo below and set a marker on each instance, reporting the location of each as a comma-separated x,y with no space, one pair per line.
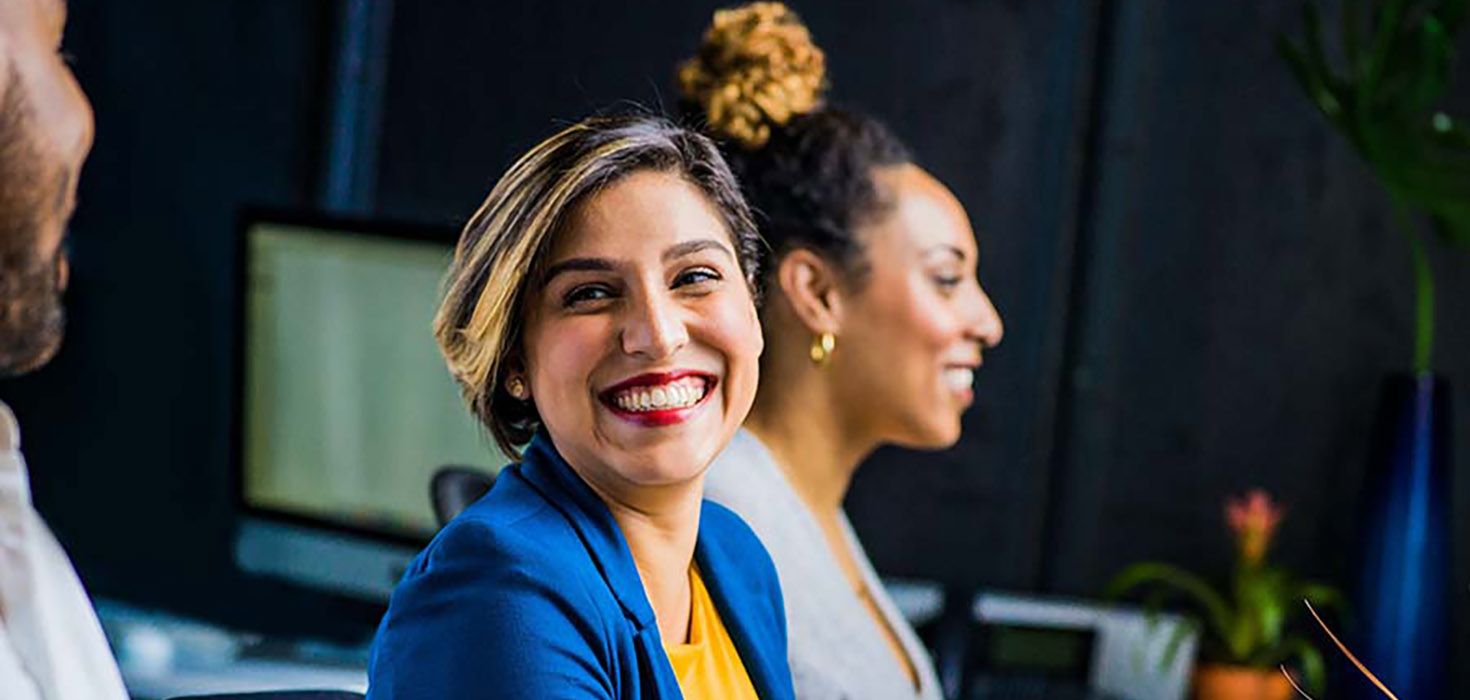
479,325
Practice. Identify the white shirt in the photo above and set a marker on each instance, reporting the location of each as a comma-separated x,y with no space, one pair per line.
51,646
836,649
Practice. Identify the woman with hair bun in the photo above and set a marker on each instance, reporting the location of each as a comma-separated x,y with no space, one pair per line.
875,323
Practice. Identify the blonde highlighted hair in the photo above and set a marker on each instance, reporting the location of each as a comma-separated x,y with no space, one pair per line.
503,246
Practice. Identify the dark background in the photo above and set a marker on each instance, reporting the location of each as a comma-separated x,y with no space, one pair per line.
1201,289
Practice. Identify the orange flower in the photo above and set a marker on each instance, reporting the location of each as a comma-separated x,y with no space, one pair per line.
1253,518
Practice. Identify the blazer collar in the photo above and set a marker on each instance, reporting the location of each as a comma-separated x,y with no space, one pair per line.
737,600
550,474
545,469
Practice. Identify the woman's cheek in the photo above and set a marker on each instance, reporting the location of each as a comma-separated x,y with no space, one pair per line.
938,320
736,334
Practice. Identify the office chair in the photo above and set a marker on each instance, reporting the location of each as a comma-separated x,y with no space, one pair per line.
454,488
282,695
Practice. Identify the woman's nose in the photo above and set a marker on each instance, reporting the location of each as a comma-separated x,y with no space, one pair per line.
654,328
986,326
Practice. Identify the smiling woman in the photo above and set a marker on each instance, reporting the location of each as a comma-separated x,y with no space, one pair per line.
876,324
601,308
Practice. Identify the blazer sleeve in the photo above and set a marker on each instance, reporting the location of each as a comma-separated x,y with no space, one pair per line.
482,617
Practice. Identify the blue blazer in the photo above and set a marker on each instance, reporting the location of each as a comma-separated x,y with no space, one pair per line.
532,593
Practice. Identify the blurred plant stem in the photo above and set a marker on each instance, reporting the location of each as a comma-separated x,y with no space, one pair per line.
1385,100
1423,289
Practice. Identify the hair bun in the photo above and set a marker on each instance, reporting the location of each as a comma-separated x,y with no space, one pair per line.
757,68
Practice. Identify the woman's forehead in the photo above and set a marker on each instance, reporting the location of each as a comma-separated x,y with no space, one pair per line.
923,215
639,215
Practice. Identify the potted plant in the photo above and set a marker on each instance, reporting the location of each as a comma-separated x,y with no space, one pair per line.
1380,81
1244,638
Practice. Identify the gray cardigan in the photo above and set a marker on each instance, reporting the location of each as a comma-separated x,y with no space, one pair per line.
837,651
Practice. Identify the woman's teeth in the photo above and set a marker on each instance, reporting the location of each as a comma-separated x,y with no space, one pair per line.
674,395
959,378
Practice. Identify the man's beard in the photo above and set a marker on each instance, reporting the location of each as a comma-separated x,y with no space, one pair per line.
31,317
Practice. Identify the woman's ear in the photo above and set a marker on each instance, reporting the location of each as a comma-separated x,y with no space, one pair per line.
810,285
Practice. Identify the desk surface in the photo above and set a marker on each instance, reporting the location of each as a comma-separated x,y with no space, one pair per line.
242,677
164,656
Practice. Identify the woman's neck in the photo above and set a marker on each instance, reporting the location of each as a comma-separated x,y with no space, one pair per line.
661,526
815,446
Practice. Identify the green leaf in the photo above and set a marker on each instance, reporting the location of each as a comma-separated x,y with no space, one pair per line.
1451,13
1262,600
1178,634
1313,669
1385,36
1351,20
1181,632
1323,596
1312,82
1432,71
1454,230
1387,108
1217,612
1314,52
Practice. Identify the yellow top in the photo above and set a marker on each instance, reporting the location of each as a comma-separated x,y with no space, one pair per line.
708,667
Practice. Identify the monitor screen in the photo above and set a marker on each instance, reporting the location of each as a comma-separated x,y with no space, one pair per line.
348,408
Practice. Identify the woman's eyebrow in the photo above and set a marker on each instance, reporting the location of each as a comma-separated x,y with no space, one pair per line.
577,265
691,247
944,248
605,265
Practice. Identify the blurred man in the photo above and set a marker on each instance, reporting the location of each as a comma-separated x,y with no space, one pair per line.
51,646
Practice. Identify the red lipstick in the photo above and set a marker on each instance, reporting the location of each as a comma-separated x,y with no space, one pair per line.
657,417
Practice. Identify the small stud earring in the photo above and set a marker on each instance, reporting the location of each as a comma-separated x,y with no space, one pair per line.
822,347
517,388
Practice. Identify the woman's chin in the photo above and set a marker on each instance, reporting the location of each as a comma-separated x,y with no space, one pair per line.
937,433
661,456
662,467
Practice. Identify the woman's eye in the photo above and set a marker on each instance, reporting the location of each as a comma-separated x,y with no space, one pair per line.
698,275
586,294
948,283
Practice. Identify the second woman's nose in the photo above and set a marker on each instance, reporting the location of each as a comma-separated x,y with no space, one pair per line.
986,325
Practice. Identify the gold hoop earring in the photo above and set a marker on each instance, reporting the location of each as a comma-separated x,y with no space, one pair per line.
822,346
516,387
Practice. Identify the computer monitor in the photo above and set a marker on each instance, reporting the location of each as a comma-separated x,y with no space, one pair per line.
345,408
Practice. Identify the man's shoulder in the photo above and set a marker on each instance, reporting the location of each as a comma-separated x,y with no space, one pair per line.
9,429
15,682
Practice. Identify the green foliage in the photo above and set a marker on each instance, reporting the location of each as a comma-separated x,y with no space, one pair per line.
1248,627
1384,96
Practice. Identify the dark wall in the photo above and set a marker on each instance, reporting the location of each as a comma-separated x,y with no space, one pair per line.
1199,283
1245,296
993,98
990,96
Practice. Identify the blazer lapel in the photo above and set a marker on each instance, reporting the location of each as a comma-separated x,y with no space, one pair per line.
546,471
737,606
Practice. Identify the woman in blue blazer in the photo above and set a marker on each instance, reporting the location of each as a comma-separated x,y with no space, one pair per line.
600,306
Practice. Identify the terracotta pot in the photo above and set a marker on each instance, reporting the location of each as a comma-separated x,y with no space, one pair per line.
1221,682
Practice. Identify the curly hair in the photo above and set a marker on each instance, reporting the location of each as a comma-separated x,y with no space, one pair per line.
504,244
807,169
